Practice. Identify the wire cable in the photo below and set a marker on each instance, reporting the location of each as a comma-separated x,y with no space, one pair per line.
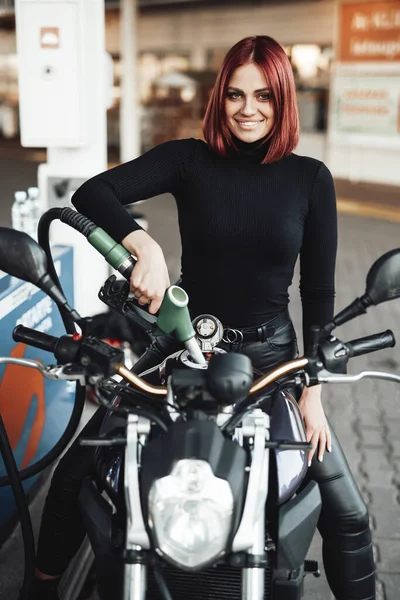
62,443
23,512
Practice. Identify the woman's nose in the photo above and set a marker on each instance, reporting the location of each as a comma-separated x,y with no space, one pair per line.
248,107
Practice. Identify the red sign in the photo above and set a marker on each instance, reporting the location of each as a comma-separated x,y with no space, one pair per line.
370,32
18,386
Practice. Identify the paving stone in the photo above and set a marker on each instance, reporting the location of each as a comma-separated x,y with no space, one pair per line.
395,449
383,497
350,447
393,428
377,468
387,524
391,585
368,418
380,590
373,439
381,478
375,459
388,559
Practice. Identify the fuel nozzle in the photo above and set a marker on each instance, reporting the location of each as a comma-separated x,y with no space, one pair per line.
114,253
174,317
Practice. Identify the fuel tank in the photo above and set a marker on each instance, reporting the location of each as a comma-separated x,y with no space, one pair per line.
287,424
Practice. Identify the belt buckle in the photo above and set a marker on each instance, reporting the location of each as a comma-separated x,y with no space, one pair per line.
232,336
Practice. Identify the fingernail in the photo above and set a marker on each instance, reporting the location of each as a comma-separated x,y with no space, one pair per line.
320,458
309,463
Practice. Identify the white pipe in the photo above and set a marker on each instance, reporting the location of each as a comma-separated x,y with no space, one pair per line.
129,107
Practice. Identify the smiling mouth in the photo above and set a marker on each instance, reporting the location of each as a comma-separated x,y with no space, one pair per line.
249,124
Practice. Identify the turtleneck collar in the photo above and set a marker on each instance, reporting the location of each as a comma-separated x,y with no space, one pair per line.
254,151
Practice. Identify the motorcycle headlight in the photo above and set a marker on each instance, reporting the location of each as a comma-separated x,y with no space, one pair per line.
190,512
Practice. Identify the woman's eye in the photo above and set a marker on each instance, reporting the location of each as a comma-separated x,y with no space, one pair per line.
264,96
233,95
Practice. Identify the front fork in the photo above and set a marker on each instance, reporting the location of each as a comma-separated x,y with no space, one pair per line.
137,539
253,578
250,536
135,582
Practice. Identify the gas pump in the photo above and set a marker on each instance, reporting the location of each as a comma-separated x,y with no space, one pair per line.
65,78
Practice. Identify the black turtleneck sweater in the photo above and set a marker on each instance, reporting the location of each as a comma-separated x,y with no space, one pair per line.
242,224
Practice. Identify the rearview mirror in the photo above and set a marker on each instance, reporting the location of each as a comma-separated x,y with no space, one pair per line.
383,284
383,279
22,257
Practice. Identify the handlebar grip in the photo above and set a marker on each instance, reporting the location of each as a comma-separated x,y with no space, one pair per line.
371,343
38,339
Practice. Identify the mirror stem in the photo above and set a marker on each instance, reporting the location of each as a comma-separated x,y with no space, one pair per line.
48,286
357,307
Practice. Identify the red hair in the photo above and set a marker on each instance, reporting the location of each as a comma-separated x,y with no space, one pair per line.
271,58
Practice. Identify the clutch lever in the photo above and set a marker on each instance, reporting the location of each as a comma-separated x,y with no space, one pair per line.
115,293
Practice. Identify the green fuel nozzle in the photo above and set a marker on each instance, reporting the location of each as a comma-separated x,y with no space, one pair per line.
115,254
174,317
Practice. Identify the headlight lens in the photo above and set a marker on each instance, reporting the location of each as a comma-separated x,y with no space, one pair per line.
191,512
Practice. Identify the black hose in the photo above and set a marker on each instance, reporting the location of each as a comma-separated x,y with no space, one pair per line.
43,238
23,512
62,443
77,221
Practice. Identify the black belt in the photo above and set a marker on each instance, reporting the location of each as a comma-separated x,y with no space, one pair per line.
255,334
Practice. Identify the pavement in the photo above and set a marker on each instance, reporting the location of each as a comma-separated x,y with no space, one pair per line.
365,416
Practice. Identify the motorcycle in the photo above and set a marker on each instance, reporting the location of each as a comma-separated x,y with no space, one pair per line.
196,487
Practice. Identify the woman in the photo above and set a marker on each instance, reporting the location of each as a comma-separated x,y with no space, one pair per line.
247,208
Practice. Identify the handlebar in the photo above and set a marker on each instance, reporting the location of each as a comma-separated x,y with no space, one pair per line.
34,338
105,360
371,343
64,348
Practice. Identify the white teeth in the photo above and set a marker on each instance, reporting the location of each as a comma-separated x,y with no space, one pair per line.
249,123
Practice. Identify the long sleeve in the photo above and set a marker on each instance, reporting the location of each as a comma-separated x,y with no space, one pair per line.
102,198
318,254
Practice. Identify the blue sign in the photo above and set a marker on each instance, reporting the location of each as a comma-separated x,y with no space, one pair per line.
35,411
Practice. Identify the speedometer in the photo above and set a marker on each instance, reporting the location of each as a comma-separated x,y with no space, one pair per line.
206,327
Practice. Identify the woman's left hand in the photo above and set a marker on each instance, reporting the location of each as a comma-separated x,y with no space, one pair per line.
317,429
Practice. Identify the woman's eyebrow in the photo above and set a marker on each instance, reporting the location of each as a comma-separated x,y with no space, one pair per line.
265,89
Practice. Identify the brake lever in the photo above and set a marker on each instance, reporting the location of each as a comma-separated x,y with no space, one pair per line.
115,295
325,376
68,372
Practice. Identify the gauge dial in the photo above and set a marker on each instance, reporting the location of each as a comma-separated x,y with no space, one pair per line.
206,327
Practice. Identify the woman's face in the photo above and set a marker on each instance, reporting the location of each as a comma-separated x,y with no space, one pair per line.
248,105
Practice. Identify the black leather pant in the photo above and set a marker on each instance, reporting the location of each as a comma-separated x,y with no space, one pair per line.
343,524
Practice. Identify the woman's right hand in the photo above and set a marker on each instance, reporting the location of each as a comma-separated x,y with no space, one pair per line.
149,278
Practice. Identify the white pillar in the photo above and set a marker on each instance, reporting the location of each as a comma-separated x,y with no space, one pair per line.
198,58
129,107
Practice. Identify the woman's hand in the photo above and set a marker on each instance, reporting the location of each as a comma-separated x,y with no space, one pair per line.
149,278
317,429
